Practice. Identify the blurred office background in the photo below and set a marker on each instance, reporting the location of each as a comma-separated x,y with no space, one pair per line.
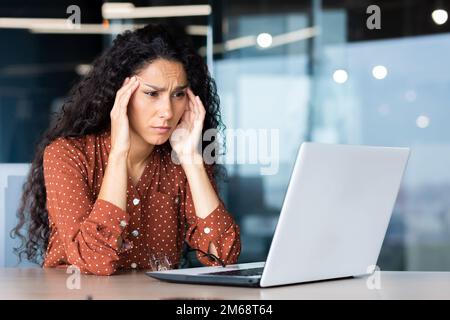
311,68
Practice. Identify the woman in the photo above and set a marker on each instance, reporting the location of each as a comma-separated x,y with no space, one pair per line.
104,193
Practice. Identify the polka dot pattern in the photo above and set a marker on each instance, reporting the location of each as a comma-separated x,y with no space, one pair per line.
101,238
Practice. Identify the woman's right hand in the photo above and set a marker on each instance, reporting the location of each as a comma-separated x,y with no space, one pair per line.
120,128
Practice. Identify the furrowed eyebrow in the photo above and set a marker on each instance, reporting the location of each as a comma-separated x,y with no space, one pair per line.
152,86
184,86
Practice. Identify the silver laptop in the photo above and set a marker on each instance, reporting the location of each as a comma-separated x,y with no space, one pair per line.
332,223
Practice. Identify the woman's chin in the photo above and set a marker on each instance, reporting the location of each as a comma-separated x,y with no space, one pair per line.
161,139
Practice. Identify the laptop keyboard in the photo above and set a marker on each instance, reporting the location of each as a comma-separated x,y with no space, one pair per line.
239,272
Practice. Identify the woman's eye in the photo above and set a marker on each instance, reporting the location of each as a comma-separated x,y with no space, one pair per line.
152,93
180,94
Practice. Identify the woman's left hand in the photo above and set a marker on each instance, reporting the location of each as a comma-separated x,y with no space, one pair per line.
186,138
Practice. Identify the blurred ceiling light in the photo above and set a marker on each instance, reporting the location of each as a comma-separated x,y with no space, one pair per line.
62,26
83,69
115,8
240,43
197,30
108,29
49,25
439,16
29,23
294,36
340,76
250,41
125,10
423,121
230,45
379,72
87,29
264,40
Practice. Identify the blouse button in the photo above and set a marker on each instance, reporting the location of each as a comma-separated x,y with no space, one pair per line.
136,201
177,200
123,223
207,230
134,265
135,233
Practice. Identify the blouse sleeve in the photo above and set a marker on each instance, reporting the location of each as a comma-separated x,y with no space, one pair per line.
218,228
90,228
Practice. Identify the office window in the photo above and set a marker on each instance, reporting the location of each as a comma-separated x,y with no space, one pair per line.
321,75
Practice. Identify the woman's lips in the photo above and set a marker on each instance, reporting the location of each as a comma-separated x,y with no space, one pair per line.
161,129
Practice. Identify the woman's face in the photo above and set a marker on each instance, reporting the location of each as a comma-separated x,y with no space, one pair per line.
156,107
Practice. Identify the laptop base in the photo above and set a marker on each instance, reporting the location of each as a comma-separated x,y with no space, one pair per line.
207,279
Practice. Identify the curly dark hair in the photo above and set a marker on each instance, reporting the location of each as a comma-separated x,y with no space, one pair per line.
87,111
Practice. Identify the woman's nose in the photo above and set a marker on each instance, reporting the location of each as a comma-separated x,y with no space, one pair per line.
166,109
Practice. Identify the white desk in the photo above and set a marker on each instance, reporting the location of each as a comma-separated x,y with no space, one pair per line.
36,283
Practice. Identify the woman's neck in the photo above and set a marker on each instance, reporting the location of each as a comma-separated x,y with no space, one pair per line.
139,152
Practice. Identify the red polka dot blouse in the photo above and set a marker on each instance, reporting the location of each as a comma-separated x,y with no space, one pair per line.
160,215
